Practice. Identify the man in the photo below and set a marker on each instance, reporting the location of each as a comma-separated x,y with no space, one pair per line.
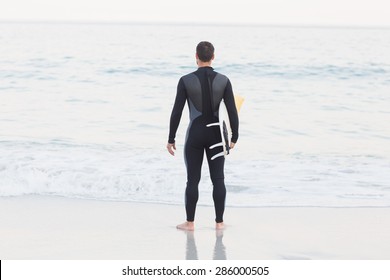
204,90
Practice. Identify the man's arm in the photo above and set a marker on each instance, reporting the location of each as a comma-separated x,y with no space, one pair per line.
177,111
232,111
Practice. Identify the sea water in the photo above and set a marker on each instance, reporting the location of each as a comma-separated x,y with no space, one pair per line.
84,112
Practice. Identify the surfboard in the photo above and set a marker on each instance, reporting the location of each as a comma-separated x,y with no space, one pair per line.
238,99
224,126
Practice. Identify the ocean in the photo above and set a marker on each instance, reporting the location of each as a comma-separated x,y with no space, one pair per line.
85,107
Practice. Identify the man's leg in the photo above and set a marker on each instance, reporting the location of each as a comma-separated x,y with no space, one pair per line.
216,168
193,155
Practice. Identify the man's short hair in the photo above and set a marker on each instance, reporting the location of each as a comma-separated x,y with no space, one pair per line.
205,51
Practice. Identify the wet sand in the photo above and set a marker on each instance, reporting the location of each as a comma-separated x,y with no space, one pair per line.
38,227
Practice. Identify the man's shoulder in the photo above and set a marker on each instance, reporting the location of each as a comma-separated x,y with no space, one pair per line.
189,75
221,79
221,75
188,78
192,76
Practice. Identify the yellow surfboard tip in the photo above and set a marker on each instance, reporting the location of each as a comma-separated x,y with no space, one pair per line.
238,99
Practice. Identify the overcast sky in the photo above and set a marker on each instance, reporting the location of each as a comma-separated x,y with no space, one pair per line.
312,12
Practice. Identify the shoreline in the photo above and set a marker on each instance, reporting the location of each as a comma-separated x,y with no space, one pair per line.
44,227
38,196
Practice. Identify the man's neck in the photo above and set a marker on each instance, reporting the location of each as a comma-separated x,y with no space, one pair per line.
204,64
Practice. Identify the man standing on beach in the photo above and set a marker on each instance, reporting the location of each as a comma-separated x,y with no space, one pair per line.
204,90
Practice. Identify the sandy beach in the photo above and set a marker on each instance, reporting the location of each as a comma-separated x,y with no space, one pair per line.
37,227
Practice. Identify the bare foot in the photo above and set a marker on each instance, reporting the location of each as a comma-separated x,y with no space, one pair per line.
186,226
219,226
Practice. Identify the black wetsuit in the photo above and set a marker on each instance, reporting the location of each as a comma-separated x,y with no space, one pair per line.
204,90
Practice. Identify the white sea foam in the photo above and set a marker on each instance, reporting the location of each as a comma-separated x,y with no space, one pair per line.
146,175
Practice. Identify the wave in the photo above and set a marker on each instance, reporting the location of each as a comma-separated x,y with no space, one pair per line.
249,69
290,71
124,173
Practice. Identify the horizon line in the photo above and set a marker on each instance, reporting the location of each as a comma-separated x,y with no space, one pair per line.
189,23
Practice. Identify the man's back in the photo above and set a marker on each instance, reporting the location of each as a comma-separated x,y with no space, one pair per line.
205,89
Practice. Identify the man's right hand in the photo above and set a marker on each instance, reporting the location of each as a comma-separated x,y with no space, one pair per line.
170,148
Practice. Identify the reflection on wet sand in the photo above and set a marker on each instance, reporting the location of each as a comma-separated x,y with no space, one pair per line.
219,248
191,251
